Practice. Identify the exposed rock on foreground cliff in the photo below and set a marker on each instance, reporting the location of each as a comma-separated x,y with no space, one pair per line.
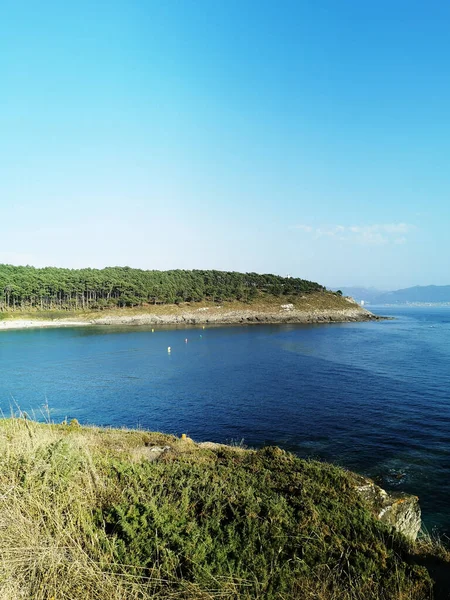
401,511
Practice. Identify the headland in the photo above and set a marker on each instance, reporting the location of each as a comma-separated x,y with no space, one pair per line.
316,307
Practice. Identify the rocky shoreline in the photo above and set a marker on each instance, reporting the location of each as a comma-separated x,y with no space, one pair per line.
208,316
216,316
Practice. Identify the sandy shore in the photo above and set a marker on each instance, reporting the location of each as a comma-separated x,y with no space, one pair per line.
28,324
206,316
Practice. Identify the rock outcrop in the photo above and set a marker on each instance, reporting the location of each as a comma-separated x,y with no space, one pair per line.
217,316
400,511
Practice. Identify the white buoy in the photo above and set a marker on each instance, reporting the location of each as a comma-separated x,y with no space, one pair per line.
153,331
185,340
168,349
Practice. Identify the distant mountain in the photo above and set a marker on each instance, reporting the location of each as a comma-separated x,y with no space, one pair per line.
428,294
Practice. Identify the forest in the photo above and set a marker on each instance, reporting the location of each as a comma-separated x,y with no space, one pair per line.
25,287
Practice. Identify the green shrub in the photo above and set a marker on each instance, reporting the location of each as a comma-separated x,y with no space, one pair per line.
265,520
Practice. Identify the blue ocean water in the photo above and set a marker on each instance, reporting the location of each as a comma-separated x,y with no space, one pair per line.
373,397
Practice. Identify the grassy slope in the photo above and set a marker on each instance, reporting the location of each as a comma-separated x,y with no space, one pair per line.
264,303
86,515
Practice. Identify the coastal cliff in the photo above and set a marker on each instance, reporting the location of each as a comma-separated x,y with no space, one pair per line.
398,510
111,514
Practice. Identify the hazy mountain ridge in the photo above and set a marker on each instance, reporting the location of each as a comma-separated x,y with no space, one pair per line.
427,294
369,295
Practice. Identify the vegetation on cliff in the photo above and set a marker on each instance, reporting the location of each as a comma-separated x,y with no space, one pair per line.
110,514
22,288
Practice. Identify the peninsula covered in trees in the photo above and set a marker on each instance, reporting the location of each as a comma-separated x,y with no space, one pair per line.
50,288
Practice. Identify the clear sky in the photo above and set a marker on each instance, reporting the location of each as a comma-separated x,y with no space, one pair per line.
303,137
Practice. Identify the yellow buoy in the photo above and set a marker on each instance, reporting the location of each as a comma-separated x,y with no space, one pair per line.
168,349
153,330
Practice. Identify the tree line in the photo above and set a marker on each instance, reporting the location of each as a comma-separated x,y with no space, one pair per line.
76,289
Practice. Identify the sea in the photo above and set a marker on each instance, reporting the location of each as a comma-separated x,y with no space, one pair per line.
372,397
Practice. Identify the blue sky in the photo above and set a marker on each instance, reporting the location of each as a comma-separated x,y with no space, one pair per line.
304,137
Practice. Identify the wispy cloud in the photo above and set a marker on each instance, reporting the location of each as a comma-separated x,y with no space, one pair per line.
370,235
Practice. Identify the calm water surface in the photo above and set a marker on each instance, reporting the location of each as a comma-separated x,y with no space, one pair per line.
374,397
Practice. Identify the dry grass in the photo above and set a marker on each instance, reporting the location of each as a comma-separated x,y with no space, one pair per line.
49,486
